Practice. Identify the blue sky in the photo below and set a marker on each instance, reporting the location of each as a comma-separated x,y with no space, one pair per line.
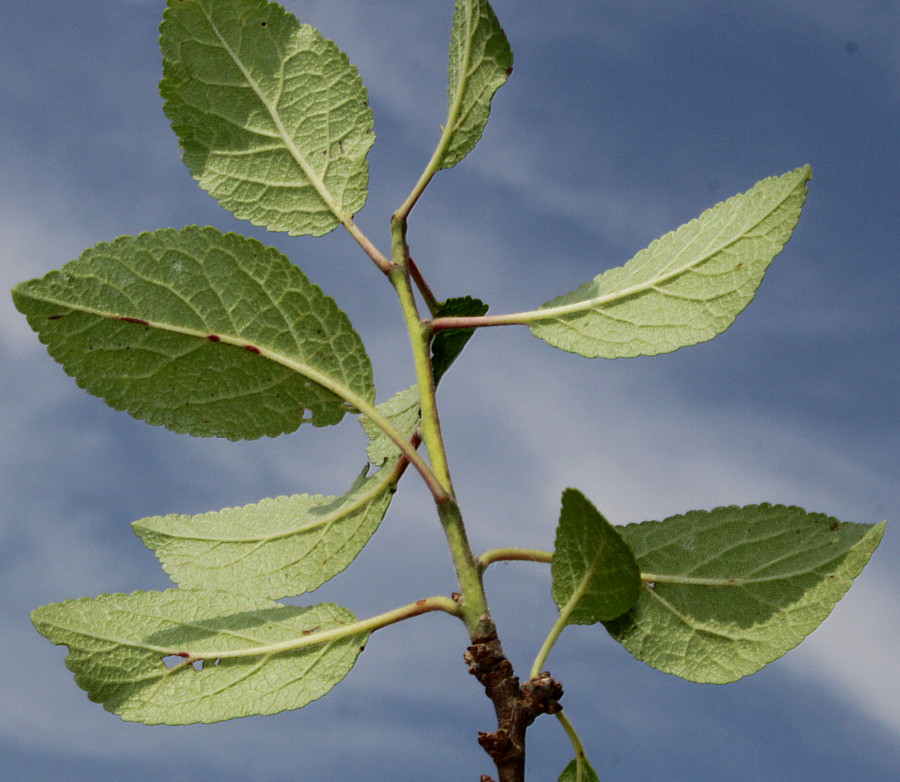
621,121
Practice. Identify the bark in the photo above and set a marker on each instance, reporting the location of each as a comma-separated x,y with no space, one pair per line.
516,706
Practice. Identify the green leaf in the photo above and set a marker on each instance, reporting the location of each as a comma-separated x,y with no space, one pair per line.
730,590
404,413
570,773
207,333
595,575
686,287
480,63
257,657
279,547
448,343
273,119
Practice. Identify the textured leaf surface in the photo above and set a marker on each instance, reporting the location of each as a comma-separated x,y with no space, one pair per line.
480,63
595,575
276,548
207,333
449,343
272,119
118,643
734,588
404,413
570,773
686,287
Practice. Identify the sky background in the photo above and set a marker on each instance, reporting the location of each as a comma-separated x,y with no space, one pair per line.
620,122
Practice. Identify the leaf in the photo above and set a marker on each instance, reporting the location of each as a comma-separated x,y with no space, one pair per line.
595,575
279,547
273,120
480,63
732,589
207,333
258,657
570,773
404,412
686,287
448,343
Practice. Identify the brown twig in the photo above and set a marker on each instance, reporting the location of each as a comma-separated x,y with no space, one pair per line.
516,706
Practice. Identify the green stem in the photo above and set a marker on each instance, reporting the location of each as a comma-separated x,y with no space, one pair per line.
514,555
423,606
419,339
559,625
576,745
474,607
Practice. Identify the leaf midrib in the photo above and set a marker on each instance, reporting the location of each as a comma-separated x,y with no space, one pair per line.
307,371
327,520
308,171
550,313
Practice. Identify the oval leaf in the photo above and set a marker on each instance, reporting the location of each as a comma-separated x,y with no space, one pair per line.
206,333
686,287
185,656
273,120
480,63
276,548
730,590
595,575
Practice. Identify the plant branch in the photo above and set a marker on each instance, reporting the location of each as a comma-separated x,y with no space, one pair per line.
474,604
516,706
430,427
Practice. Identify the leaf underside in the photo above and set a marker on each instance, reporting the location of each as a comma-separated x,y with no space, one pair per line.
119,646
686,287
736,587
272,119
205,333
480,62
279,547
595,575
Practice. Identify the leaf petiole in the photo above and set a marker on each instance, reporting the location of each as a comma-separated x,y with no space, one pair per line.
577,746
423,606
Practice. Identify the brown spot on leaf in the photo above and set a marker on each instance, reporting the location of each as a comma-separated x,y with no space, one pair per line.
213,337
139,321
252,348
